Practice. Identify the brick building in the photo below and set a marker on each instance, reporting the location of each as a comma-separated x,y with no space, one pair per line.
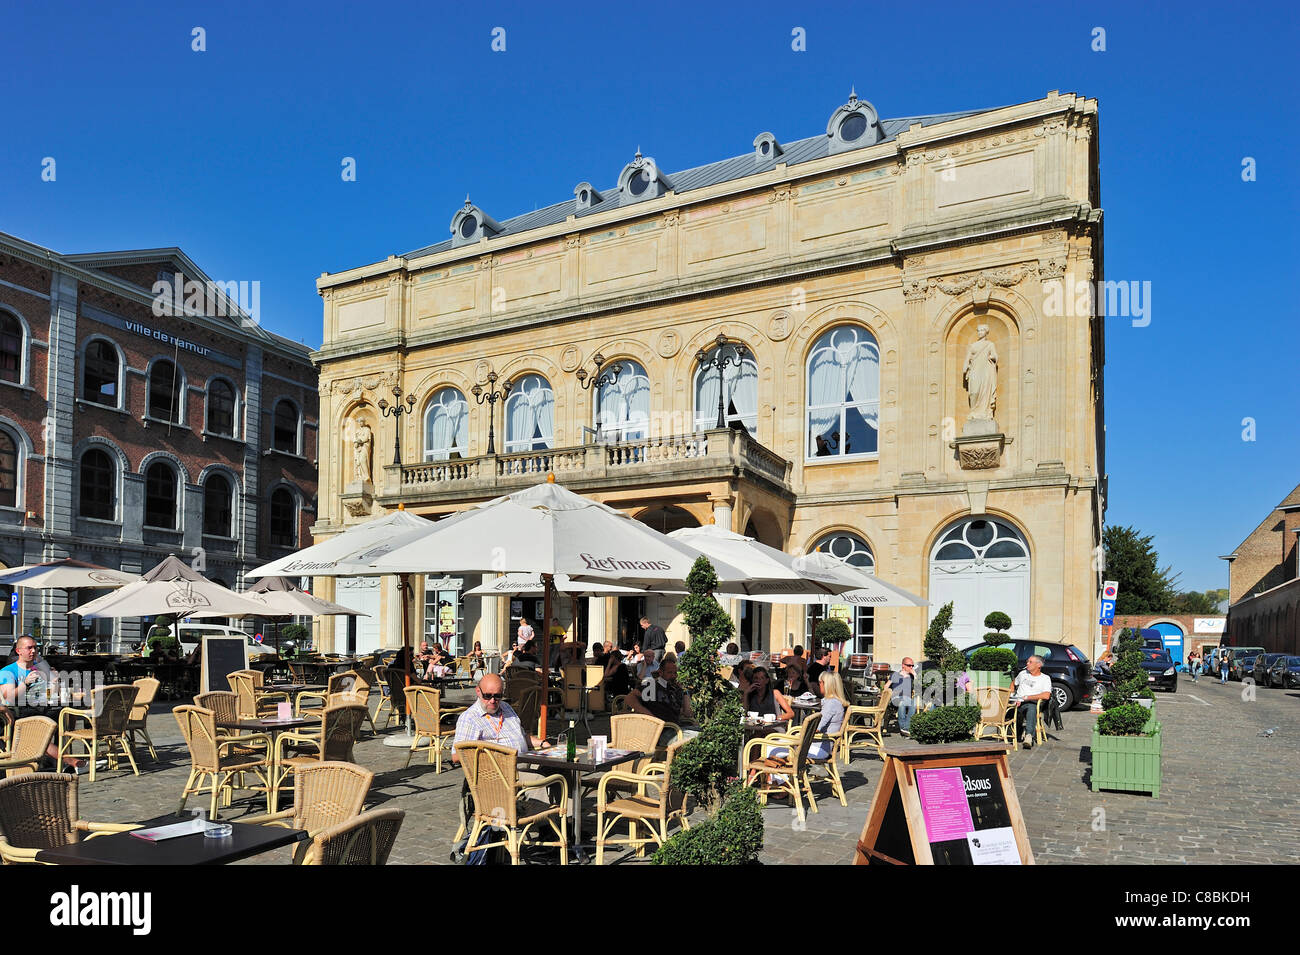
143,412
1264,582
1182,632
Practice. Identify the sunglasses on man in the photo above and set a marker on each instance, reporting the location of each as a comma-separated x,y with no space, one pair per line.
491,696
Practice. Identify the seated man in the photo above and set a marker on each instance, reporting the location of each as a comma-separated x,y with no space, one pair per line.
527,657
662,696
902,686
23,684
1030,687
729,656
821,663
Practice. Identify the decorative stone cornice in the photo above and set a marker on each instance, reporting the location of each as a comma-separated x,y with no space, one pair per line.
964,282
347,386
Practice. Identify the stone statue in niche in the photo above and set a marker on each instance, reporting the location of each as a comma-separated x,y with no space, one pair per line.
362,442
980,377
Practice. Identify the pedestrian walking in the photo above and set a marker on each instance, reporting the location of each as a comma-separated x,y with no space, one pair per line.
1223,667
1194,664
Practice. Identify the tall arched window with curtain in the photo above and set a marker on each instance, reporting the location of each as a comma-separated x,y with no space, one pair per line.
623,405
843,394
740,391
530,415
446,426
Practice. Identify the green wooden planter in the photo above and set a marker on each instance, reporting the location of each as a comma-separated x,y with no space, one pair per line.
1127,763
1151,724
979,678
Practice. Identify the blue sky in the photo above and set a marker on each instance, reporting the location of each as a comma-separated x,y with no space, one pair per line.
234,154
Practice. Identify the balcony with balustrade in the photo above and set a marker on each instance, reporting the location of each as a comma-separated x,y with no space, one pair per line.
699,458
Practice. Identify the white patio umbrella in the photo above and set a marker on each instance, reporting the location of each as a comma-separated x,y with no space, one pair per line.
170,588
769,571
870,590
547,530
66,574
281,598
334,557
532,584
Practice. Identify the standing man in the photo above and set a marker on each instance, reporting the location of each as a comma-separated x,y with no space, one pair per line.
821,663
901,685
654,641
1032,686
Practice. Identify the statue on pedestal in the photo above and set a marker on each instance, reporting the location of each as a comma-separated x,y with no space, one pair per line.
980,376
362,440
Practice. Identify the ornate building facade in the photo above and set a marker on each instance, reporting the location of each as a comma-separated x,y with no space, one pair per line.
912,380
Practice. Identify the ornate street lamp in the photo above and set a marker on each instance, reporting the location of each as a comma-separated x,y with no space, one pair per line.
396,410
491,395
598,380
721,361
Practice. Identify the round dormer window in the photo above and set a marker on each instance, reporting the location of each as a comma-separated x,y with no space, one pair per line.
584,195
765,148
468,226
638,182
853,127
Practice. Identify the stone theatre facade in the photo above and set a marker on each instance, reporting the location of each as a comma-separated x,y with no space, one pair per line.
898,390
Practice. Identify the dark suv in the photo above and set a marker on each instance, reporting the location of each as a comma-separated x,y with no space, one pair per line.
1242,661
1066,664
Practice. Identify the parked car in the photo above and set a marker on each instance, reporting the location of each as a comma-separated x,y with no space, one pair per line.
1242,661
1066,664
191,634
1161,672
1263,664
1285,672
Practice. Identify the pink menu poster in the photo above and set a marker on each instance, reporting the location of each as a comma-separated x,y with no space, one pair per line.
943,803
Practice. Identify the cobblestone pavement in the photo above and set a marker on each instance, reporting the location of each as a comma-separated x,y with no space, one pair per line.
1229,795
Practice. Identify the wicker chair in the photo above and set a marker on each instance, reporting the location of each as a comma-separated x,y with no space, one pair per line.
866,722
219,761
366,839
385,701
782,774
332,742
32,737
39,811
642,733
148,689
829,771
324,795
655,811
254,703
425,706
529,709
106,726
346,687
996,715
396,680
500,799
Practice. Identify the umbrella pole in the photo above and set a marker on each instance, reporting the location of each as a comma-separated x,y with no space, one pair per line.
548,585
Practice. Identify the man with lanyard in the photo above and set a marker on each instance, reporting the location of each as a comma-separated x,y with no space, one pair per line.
23,688
492,720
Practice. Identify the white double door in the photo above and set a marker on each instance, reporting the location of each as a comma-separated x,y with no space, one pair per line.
977,587
358,593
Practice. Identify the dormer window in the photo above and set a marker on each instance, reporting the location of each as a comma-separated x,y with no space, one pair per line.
471,224
766,148
586,196
853,125
641,179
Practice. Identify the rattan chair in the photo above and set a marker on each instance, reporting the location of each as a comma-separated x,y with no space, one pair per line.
654,803
218,760
105,730
782,774
827,764
396,680
332,742
501,800
324,795
866,722
148,689
31,739
366,839
385,702
424,703
996,714
642,733
254,703
39,811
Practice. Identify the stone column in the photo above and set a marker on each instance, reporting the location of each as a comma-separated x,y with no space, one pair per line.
490,621
596,618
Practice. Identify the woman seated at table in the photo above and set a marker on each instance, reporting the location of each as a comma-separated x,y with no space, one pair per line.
527,657
834,706
742,677
616,681
477,662
439,664
765,699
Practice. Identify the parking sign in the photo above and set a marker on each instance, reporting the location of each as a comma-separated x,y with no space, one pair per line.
1107,613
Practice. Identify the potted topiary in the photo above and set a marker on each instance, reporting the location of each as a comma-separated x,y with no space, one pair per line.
1126,740
991,665
161,643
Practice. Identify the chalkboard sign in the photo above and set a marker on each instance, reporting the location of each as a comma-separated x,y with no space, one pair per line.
945,805
222,655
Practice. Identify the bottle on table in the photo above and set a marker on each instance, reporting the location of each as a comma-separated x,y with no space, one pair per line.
571,745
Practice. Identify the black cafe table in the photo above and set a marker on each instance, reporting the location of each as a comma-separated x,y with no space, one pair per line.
122,848
554,761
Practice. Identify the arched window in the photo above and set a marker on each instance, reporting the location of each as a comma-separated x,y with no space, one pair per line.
739,396
217,497
530,415
446,426
284,519
165,392
100,373
11,348
160,496
98,483
8,471
623,405
284,436
853,550
843,394
981,564
221,408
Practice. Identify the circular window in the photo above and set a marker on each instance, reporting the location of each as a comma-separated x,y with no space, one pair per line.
638,182
583,195
765,148
852,128
468,226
